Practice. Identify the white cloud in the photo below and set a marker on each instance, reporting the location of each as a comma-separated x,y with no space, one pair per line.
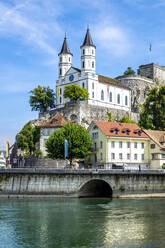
112,38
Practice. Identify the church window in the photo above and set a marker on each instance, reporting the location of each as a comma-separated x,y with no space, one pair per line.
110,96
60,71
102,95
92,51
60,99
83,51
83,85
60,59
93,86
118,98
126,100
69,59
83,64
93,95
93,64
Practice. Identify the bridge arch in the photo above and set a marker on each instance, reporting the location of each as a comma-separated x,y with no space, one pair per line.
95,188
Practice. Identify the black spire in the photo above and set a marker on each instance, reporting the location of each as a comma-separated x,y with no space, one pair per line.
88,39
65,48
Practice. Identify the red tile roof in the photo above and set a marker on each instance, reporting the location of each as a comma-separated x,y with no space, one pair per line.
112,81
56,121
133,129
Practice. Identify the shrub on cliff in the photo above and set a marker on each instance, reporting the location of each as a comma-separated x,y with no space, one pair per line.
79,142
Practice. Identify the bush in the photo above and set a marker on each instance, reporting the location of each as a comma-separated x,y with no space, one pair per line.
163,166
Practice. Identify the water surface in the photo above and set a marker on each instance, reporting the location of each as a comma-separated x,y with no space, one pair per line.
81,223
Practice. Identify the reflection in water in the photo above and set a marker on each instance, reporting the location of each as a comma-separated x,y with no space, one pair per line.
82,223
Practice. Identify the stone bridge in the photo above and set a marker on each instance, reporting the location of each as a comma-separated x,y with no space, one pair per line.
80,183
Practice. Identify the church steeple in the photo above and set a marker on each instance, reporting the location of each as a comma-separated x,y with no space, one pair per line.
65,48
88,39
65,58
88,60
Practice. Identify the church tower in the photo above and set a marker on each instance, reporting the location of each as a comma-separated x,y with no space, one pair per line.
88,60
65,58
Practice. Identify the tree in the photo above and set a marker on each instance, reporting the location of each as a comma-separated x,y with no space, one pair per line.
126,119
42,99
75,93
109,116
27,138
129,71
79,142
153,111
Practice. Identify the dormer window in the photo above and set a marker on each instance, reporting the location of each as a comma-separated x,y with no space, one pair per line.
115,131
138,132
126,131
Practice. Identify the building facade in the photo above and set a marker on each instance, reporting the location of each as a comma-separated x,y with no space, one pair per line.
103,91
119,143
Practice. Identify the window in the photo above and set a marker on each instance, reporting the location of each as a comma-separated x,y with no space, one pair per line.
153,156
93,94
118,98
112,155
92,51
60,71
102,95
142,156
83,51
120,144
101,144
126,100
93,64
110,96
128,156
60,99
69,59
93,86
83,85
142,145
60,59
94,135
83,64
115,131
60,91
120,156
128,144
112,144
135,156
135,144
95,158
101,156
95,146
152,146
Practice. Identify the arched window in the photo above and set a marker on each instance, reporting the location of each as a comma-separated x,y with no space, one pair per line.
69,59
92,51
83,85
60,71
118,98
93,86
126,100
83,64
93,64
102,95
60,59
110,96
83,51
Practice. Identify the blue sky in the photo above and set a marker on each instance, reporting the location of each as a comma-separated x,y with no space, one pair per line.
32,32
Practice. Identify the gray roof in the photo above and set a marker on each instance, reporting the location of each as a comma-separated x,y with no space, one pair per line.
88,39
65,48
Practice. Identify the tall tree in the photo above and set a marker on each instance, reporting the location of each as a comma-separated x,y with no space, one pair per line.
42,99
79,142
27,138
129,71
75,93
153,112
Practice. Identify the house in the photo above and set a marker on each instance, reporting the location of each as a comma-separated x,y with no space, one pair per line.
103,91
119,143
156,148
47,128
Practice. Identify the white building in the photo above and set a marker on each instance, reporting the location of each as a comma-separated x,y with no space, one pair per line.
103,91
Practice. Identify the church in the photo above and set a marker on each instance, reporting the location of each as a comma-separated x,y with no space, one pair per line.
103,91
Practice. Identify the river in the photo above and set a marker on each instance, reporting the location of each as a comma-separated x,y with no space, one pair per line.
82,223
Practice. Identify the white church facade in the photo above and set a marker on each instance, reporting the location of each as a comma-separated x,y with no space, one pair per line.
103,91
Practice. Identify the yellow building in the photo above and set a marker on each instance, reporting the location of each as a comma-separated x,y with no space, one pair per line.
118,144
157,148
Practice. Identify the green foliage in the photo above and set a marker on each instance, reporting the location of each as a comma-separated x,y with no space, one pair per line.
163,166
75,93
42,99
129,71
126,119
39,153
27,138
79,142
153,112
109,116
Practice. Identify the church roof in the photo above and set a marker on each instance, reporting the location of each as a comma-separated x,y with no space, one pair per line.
88,39
56,121
112,81
65,48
